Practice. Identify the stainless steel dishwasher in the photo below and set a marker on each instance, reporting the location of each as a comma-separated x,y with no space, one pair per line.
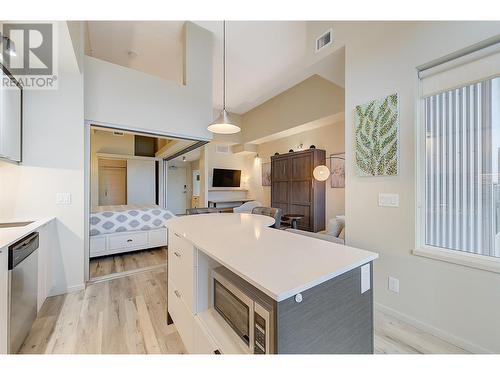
23,288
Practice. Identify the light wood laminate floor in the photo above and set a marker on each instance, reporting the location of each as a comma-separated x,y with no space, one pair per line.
128,315
111,264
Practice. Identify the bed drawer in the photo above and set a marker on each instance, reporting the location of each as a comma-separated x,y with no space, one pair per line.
128,240
97,244
158,237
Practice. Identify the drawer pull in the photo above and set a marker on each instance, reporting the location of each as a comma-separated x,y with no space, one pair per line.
177,235
129,240
177,254
176,292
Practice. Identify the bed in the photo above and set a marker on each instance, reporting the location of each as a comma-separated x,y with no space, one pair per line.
123,228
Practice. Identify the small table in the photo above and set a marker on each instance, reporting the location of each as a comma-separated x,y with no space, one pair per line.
294,218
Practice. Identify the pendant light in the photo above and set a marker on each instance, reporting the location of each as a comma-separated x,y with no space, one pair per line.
224,124
9,45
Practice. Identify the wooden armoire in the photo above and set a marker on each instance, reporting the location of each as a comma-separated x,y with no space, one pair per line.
294,189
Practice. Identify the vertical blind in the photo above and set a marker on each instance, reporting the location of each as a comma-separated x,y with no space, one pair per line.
461,163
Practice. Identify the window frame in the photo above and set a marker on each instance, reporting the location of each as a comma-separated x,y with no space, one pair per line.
481,262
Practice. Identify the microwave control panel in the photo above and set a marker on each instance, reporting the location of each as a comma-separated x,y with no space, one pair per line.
259,334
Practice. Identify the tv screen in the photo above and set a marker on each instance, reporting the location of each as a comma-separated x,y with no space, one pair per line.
226,178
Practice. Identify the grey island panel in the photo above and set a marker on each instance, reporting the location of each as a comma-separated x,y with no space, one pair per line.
333,318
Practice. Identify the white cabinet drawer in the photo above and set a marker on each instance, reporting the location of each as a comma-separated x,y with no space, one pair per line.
183,278
182,317
128,240
158,237
182,249
204,343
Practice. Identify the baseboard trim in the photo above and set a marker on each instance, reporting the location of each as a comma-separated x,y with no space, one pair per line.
119,275
443,335
69,289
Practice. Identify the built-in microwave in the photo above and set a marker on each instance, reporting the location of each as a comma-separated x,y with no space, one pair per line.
248,311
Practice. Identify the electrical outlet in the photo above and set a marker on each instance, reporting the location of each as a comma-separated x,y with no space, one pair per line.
63,198
393,284
388,200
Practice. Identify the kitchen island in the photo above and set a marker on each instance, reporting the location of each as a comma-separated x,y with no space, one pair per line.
320,293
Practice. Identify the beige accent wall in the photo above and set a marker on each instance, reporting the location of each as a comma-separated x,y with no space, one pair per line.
329,138
312,99
458,303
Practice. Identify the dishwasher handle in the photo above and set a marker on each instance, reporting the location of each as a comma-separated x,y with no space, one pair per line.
22,249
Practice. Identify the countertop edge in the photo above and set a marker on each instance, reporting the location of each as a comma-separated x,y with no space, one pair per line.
8,236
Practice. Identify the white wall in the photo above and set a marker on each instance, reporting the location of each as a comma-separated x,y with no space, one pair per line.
460,303
132,99
227,161
52,162
329,138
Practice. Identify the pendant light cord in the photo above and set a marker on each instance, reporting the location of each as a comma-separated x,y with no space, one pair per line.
223,65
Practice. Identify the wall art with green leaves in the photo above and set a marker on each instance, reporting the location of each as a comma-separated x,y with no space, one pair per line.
377,137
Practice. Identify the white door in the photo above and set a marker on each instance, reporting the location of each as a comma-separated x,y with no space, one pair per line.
176,190
112,186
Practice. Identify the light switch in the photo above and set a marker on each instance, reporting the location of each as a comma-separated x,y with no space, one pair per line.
388,200
63,198
393,284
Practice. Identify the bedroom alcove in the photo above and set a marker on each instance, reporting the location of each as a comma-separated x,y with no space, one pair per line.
129,190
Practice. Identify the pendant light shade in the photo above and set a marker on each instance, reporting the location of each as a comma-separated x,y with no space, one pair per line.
321,173
224,124
10,48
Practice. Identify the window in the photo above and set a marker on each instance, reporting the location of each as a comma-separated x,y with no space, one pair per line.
460,156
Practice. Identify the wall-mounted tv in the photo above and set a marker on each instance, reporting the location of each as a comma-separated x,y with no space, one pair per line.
226,178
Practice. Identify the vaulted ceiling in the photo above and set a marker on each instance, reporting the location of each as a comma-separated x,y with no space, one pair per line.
264,58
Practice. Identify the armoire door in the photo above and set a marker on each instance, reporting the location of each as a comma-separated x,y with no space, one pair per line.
280,172
301,194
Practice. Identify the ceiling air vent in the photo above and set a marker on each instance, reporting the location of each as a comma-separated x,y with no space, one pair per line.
324,40
222,149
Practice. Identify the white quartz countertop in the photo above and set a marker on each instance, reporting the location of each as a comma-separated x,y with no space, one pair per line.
10,235
278,262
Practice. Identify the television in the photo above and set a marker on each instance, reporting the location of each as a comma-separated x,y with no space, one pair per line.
226,178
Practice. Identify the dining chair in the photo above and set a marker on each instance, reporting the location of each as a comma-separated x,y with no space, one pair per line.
275,213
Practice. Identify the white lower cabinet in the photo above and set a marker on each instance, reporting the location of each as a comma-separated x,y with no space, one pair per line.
46,235
4,302
203,341
182,316
182,296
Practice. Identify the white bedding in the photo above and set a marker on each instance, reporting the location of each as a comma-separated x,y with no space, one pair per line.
133,217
